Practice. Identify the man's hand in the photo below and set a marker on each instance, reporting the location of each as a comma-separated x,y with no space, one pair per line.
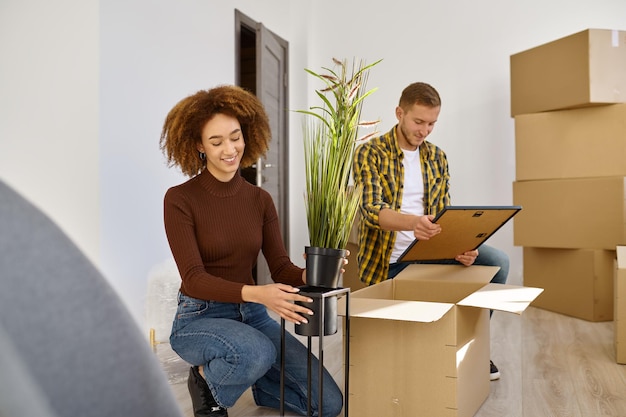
424,228
467,258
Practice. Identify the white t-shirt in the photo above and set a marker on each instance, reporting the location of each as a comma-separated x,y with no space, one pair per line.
412,199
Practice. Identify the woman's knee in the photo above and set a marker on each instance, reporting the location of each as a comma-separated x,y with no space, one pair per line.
258,357
333,403
233,348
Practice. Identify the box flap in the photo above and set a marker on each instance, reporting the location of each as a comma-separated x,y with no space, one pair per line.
621,257
417,311
451,273
510,298
440,283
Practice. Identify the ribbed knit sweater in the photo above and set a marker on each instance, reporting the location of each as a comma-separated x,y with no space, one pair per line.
215,231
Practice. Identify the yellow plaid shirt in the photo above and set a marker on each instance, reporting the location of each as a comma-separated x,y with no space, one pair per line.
378,168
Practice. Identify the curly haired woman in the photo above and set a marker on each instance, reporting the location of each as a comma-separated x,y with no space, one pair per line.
216,224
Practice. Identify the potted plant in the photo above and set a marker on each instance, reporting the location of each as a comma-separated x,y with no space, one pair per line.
330,138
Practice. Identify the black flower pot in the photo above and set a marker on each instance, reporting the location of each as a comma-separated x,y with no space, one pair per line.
323,266
312,328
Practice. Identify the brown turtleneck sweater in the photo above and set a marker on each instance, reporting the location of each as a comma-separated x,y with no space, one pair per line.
216,229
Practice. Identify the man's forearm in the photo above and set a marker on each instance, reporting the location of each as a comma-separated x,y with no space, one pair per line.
392,220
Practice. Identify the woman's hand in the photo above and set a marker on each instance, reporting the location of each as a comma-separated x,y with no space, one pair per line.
345,260
280,298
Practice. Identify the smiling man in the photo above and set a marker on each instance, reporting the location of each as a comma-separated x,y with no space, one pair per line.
406,182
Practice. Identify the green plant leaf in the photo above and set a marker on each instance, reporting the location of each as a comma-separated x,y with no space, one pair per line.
330,133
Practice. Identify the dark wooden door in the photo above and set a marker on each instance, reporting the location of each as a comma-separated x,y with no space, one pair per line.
262,63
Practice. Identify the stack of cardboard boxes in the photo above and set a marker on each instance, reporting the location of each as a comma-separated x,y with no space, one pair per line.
568,99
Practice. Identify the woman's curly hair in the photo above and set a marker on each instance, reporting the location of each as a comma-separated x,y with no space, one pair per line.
182,130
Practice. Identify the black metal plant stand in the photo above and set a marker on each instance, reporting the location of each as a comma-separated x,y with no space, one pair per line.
332,292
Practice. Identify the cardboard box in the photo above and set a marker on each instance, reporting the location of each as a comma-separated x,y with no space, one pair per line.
585,213
419,343
350,278
578,143
620,305
578,70
576,282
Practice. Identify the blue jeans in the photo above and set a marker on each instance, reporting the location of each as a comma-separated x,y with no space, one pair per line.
487,256
239,347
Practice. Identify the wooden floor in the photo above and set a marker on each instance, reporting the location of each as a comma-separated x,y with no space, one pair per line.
552,365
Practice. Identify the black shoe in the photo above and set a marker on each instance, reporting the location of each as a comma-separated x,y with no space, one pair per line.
493,372
204,405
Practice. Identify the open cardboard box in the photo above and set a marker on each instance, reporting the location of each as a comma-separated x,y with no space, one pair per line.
419,343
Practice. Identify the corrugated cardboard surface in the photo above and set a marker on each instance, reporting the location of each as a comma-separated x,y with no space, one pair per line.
578,70
350,278
403,368
620,305
577,143
576,282
413,351
586,213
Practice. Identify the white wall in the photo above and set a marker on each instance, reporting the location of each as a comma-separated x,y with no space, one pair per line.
463,50
85,86
152,55
49,111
